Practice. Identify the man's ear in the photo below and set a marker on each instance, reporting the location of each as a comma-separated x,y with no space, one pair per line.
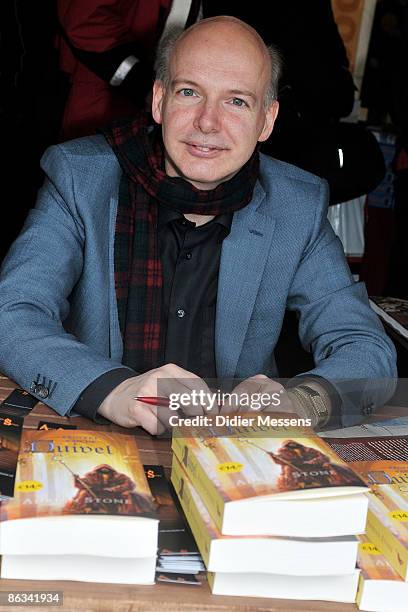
157,101
270,119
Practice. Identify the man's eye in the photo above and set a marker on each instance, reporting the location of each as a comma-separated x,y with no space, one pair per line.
186,92
238,102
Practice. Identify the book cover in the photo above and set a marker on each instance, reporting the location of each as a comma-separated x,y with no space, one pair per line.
372,563
11,428
380,587
378,460
175,537
229,468
202,526
68,472
19,400
393,311
387,524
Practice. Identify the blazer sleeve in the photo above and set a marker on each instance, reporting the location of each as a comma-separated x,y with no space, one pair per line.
36,279
336,323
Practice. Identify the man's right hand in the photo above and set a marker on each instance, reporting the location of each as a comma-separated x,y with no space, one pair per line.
121,408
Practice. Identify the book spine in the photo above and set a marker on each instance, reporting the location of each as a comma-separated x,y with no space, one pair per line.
200,480
194,519
392,548
360,590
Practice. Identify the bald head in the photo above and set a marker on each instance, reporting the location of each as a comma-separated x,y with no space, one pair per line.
226,33
227,28
214,100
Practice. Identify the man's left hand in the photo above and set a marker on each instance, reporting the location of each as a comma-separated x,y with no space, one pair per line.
260,393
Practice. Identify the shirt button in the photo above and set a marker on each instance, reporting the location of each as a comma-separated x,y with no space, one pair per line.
189,255
181,313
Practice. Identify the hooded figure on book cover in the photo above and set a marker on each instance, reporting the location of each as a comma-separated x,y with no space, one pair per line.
78,472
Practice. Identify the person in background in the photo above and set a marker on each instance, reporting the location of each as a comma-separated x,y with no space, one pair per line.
316,92
107,48
162,255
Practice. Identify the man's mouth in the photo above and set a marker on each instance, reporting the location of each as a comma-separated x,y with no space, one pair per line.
204,149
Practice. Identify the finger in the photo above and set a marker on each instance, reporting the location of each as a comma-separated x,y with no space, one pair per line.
240,400
258,393
146,417
284,404
191,395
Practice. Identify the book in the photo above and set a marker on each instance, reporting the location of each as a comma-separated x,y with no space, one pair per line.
264,481
20,400
83,568
260,554
11,428
380,588
378,460
178,578
175,538
387,524
177,550
318,588
78,493
393,311
383,464
44,425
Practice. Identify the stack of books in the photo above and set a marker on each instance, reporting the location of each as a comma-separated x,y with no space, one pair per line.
82,510
272,516
381,588
382,462
387,523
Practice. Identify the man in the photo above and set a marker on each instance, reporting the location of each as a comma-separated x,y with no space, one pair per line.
171,255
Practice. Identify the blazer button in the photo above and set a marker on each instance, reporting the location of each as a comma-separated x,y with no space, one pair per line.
41,391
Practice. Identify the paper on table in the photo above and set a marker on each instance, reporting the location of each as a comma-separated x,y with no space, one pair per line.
389,427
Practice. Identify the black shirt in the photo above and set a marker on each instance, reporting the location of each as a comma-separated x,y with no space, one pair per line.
190,259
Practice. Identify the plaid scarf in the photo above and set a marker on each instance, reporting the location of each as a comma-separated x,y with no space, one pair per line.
138,270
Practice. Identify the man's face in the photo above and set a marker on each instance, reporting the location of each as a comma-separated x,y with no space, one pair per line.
212,113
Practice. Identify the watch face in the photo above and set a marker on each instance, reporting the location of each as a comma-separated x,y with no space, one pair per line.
309,390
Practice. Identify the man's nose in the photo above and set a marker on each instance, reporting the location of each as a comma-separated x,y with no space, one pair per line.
207,119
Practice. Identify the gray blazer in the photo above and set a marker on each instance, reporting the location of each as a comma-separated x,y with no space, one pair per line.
58,313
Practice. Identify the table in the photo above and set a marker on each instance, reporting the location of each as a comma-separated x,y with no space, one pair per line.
121,598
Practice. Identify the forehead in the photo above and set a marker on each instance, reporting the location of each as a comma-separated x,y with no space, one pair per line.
220,59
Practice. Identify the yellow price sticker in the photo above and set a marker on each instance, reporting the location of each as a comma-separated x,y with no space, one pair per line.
229,467
399,515
370,548
29,485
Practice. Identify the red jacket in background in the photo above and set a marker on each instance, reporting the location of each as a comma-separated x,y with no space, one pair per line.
99,26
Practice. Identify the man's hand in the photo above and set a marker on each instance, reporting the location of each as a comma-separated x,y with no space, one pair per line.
120,407
261,393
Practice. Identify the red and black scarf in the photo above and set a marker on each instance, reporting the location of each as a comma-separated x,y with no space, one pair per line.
138,271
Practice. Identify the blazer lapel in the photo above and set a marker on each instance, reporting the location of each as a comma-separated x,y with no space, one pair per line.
243,257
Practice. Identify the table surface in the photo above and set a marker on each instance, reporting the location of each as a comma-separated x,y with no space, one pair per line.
90,596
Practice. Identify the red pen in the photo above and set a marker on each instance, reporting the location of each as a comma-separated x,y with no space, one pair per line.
154,401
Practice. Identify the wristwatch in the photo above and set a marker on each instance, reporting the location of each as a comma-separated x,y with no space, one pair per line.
313,403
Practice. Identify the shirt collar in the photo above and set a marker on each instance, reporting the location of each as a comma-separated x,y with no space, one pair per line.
167,216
